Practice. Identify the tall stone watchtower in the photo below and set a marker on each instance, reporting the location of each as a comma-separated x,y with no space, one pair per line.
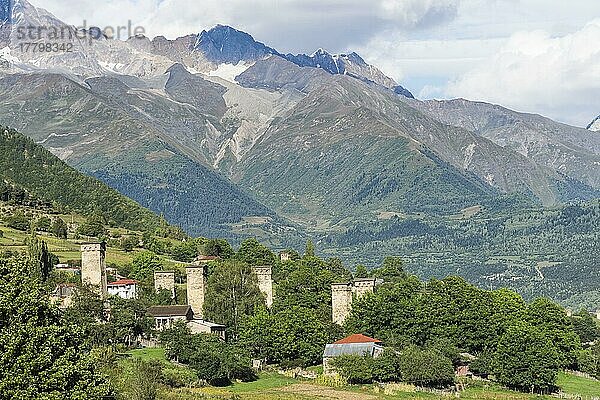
363,286
165,280
265,282
342,295
341,302
196,288
93,266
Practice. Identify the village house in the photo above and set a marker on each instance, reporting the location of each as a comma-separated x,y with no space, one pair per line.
67,268
166,316
124,288
356,344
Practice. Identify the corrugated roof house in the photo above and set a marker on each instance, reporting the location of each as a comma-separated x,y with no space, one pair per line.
357,344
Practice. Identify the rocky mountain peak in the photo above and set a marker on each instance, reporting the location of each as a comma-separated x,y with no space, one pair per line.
224,44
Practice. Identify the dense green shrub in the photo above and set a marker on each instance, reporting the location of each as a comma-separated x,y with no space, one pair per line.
386,367
355,368
214,361
426,367
18,221
526,359
93,226
588,361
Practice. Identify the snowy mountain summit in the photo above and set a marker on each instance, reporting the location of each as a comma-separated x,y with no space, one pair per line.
226,45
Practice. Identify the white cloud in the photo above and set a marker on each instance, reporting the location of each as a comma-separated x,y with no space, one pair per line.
288,25
534,72
419,13
403,58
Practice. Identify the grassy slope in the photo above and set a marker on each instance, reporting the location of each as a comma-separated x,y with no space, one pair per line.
69,249
580,386
272,386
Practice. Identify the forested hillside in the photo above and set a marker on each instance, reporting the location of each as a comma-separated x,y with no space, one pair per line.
538,252
30,172
187,193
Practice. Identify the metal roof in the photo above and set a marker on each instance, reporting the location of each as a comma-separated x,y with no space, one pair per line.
169,311
123,282
358,349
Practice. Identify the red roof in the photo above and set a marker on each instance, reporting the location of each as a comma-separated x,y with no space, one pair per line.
357,338
123,282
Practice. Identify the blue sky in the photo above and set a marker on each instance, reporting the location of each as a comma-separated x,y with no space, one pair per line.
539,56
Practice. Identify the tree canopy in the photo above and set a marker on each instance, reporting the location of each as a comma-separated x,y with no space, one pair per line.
232,294
42,357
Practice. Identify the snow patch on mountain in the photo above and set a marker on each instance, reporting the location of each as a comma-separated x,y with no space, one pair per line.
595,124
6,55
230,71
111,66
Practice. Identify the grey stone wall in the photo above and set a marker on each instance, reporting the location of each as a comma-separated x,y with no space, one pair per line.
93,266
196,288
342,295
165,280
341,302
265,282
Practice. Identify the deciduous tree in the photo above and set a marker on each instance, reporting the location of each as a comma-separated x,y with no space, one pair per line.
232,295
526,359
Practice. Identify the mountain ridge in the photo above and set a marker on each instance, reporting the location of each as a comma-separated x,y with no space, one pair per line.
186,100
32,168
594,125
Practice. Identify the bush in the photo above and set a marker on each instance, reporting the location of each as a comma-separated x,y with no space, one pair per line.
214,361
179,377
93,226
18,221
186,251
354,368
588,361
386,368
426,368
145,376
59,228
43,224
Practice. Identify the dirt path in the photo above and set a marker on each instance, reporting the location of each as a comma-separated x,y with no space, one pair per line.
325,392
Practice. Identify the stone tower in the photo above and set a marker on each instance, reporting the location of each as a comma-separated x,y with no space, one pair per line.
93,266
363,286
165,280
342,295
341,302
265,282
196,288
